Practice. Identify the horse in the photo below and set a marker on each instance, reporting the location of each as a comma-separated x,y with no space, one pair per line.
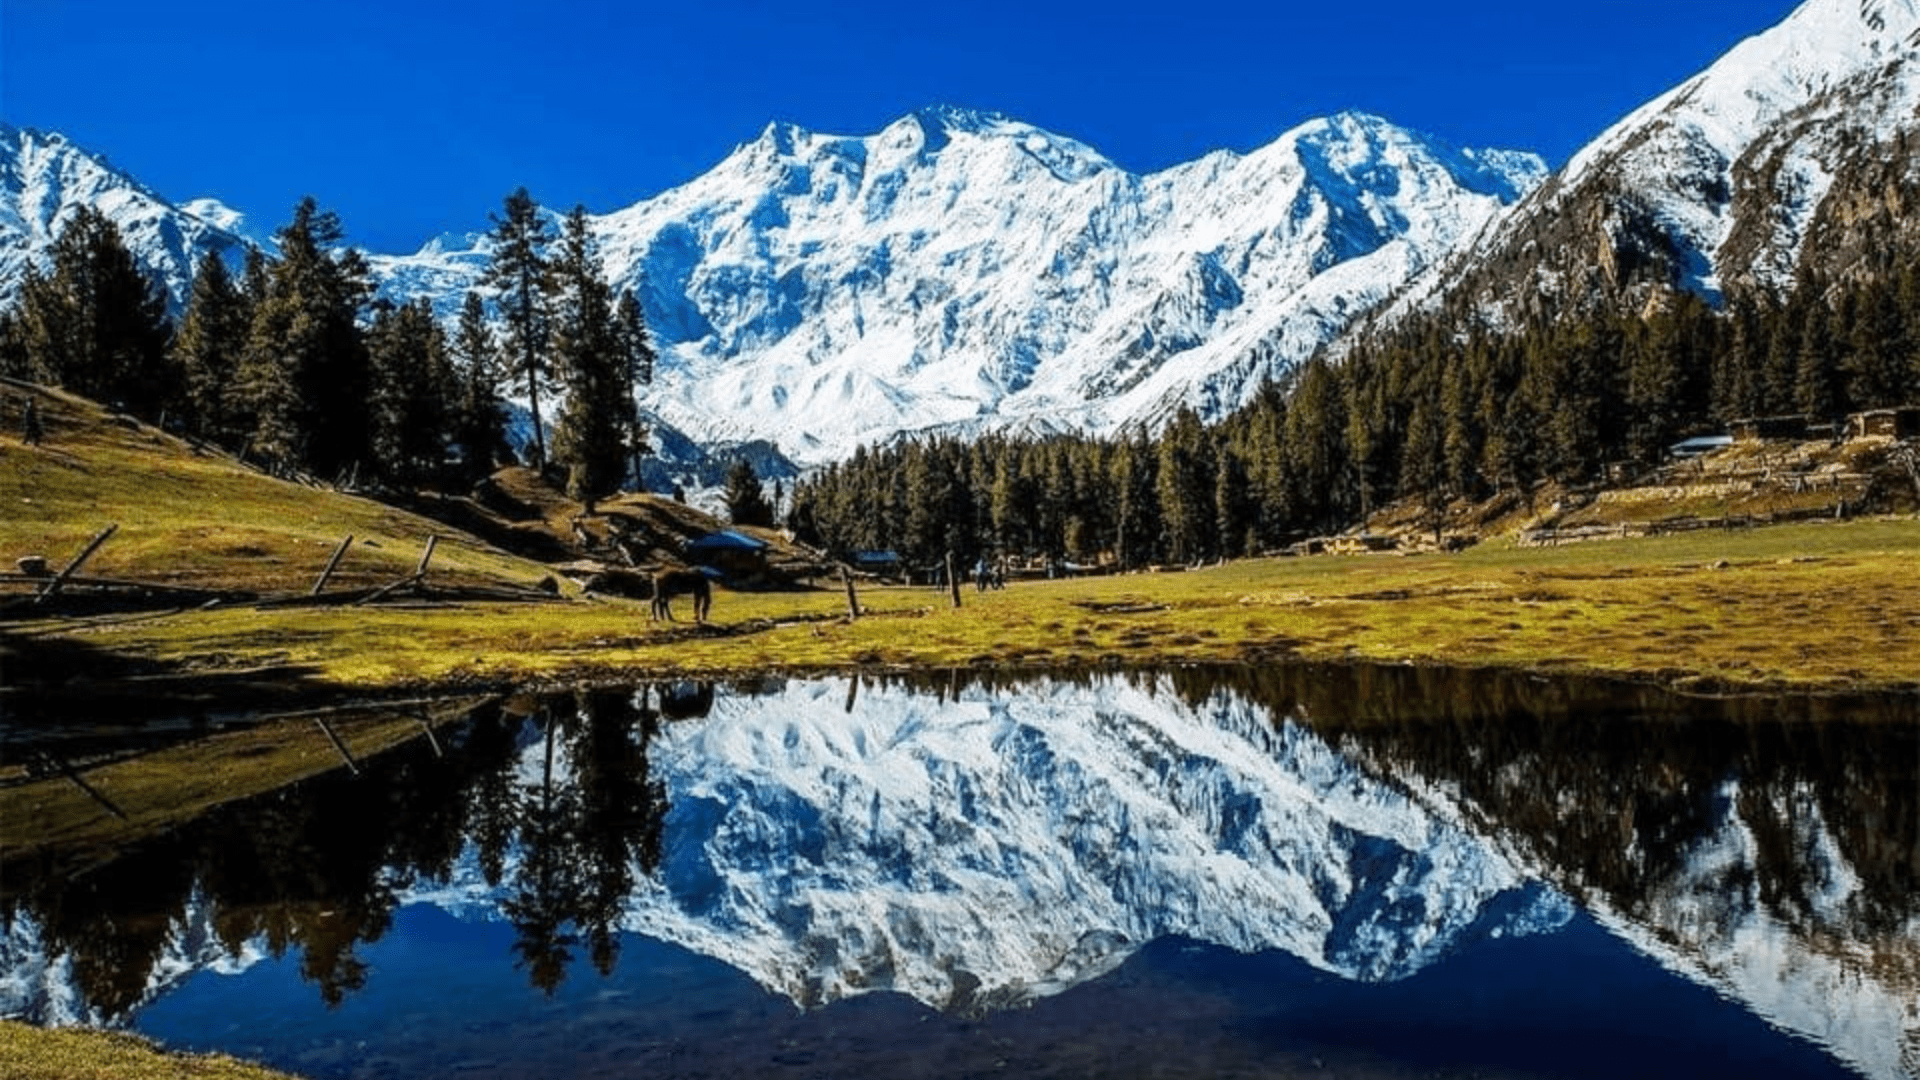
668,584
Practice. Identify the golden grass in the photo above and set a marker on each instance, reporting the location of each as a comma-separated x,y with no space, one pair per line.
86,1054
156,791
201,519
1828,606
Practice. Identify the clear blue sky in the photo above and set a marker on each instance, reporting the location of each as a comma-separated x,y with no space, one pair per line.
413,117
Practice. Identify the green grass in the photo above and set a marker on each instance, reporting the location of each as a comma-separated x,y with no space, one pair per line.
202,520
86,1054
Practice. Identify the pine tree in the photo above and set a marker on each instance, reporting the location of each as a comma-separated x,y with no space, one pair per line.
1658,355
1877,367
479,420
521,277
413,394
1316,446
1136,516
1185,488
1232,516
1817,374
1780,391
13,346
746,502
1739,364
1011,503
1463,434
1423,474
207,351
98,324
305,376
636,349
590,439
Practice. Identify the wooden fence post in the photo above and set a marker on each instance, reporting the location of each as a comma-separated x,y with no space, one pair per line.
953,580
73,567
853,598
426,556
332,564
352,765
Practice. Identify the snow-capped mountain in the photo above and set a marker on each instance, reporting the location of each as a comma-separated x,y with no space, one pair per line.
44,178
38,987
1723,181
963,270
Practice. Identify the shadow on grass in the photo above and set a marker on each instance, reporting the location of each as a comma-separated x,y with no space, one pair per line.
48,682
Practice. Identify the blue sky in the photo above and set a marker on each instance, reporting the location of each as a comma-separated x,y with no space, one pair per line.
413,118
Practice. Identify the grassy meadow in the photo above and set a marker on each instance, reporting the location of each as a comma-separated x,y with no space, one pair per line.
1808,607
1811,607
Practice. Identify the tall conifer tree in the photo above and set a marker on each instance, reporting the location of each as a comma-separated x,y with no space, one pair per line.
479,421
207,351
590,439
636,350
521,278
306,376
98,324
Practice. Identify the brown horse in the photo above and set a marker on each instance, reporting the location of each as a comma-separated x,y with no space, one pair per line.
668,584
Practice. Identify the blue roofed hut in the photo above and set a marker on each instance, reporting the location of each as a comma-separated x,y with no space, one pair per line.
739,556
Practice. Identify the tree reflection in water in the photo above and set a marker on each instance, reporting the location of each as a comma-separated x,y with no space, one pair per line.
319,867
583,838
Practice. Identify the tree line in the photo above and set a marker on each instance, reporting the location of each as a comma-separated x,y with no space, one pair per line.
1427,414
294,364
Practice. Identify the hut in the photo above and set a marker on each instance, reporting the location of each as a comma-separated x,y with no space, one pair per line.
878,563
1901,423
739,556
1771,429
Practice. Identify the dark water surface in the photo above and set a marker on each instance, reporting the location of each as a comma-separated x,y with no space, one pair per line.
1194,873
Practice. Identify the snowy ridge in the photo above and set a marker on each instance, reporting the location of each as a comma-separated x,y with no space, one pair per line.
1750,144
1855,994
963,271
986,852
44,178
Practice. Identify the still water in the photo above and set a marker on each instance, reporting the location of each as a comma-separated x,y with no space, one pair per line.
1206,873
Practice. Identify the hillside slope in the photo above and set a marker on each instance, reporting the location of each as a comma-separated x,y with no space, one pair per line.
193,518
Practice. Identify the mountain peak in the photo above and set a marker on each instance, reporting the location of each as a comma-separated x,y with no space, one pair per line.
45,175
955,118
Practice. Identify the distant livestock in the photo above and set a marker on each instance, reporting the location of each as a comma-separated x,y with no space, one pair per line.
668,584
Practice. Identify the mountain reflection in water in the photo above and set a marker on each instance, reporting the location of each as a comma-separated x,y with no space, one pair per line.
976,843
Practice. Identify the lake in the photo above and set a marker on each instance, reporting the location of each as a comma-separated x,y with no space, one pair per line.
1315,870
